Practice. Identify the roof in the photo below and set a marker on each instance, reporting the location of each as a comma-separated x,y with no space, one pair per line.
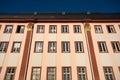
68,15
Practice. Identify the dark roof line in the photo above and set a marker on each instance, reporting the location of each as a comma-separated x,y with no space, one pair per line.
55,15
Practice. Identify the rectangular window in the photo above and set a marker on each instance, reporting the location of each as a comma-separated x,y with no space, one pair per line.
3,46
77,29
8,29
66,73
102,47
0,27
82,73
51,73
16,47
20,29
40,28
66,47
110,29
116,46
52,47
108,71
10,73
0,69
53,29
65,29
38,46
98,29
36,73
79,47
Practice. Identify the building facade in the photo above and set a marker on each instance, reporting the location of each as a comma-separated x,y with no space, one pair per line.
60,46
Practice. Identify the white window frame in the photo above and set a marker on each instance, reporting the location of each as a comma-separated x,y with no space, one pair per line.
81,73
66,73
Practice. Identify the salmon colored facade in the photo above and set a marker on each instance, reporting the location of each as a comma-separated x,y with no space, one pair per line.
94,59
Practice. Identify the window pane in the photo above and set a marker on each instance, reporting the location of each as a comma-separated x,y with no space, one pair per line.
102,46
81,73
64,28
66,73
77,28
16,47
36,74
111,29
8,29
38,47
53,29
98,29
40,28
65,47
52,46
10,74
51,73
108,73
79,46
3,46
116,46
20,29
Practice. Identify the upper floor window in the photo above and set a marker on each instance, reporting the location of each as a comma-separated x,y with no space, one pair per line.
82,73
51,73
109,73
111,29
10,73
79,47
0,27
66,73
66,47
20,29
77,29
98,29
8,29
38,47
65,29
16,47
3,46
40,28
52,47
36,73
53,29
102,46
116,46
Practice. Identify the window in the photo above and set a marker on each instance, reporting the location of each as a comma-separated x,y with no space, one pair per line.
36,73
10,73
66,73
82,73
38,47
52,47
16,47
77,29
51,73
40,28
109,73
3,46
0,69
53,29
20,29
116,46
66,47
79,47
98,29
102,46
65,29
110,29
8,29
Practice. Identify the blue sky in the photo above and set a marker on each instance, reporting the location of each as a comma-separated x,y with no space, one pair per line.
20,6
